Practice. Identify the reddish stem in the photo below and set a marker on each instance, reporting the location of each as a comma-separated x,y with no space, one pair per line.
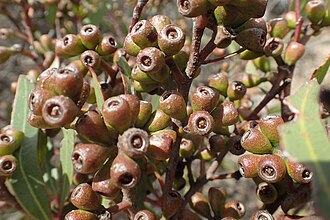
299,23
137,12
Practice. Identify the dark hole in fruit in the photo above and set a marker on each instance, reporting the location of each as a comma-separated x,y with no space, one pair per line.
77,161
306,174
173,194
7,165
246,135
113,103
146,61
88,30
126,178
238,86
204,91
54,110
241,169
138,26
166,95
269,171
262,39
66,41
137,141
262,216
104,86
201,123
172,33
65,71
112,41
76,192
239,207
5,138
185,5
141,216
273,45
88,60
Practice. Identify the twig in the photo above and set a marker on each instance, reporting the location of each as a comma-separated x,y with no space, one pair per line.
124,205
27,21
10,17
227,56
197,33
299,23
137,12
209,47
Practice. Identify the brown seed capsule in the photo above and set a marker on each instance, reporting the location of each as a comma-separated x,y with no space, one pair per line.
226,114
144,215
130,47
88,158
252,39
80,215
248,165
235,146
269,127
134,142
37,98
141,76
69,46
204,98
90,58
134,105
254,141
201,123
235,209
8,164
223,38
271,168
171,203
188,215
117,113
187,148
68,81
236,90
266,193
90,35
83,197
278,27
125,172
159,22
108,45
200,205
59,111
171,39
90,126
103,184
150,60
218,143
293,52
144,34
298,171
193,8
38,121
273,47
173,104
217,199
261,215
160,146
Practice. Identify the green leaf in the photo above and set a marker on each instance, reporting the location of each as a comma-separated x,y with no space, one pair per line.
51,15
322,70
124,67
98,93
305,138
27,182
67,145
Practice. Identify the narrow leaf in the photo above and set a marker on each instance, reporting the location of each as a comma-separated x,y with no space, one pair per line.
27,182
67,145
98,92
322,70
124,67
305,138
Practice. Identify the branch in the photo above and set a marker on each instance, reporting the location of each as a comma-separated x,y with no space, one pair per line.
137,12
224,57
299,23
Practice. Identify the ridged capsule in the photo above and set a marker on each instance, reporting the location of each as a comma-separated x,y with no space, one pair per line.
8,165
107,45
271,168
88,158
125,172
83,197
254,141
69,46
160,146
90,35
269,127
134,142
150,60
159,22
204,98
144,34
171,39
201,123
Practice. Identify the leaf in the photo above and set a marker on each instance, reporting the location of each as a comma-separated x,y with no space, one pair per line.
27,182
322,70
51,15
124,67
98,93
305,138
66,150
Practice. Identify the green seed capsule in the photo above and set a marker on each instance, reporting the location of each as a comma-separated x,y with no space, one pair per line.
269,127
130,47
252,80
256,142
225,114
158,121
315,11
145,87
262,63
69,46
279,27
141,76
236,90
298,171
219,81
219,2
107,45
250,55
145,111
293,52
90,35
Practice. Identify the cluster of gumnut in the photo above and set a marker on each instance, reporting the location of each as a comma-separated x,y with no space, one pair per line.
125,140
10,140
